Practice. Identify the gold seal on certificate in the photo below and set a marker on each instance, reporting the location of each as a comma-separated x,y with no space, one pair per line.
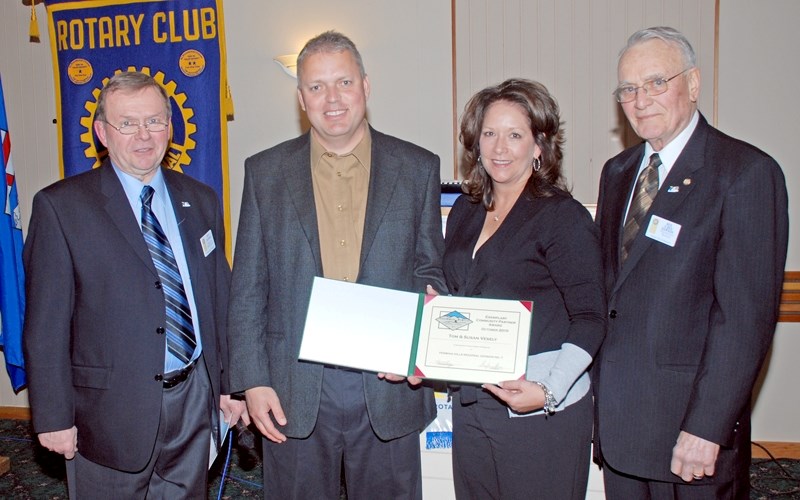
457,339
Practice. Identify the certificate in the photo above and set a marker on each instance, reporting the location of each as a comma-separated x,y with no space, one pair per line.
457,339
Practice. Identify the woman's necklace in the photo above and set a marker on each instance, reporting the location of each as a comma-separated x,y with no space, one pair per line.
500,214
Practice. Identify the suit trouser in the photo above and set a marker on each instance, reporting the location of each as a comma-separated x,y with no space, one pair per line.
312,467
499,457
732,462
621,486
178,468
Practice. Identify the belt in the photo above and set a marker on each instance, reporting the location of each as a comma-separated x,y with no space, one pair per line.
172,379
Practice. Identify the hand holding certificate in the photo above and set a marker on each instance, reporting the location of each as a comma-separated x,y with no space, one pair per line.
459,339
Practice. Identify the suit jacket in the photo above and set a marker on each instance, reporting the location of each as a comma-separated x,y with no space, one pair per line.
547,250
94,341
278,255
689,324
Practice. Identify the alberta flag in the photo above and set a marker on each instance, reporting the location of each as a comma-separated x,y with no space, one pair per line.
12,278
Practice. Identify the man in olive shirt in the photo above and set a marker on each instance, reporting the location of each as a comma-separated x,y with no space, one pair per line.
347,202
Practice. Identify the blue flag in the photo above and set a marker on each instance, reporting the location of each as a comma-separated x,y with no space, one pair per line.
181,44
12,278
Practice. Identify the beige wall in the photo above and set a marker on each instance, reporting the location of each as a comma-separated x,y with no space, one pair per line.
759,43
407,50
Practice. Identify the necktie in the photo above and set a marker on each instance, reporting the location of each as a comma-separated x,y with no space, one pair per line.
180,332
644,193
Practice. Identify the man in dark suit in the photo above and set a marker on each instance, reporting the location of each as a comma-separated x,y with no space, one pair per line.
347,202
694,232
127,288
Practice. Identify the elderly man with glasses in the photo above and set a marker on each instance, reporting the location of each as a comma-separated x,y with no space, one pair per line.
127,290
694,231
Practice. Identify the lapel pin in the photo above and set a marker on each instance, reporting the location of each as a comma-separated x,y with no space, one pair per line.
673,189
687,181
187,204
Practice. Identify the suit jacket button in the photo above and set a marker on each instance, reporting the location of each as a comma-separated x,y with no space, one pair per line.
612,314
158,285
159,377
160,330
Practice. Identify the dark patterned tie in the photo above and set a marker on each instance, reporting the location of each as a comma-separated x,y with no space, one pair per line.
180,332
644,194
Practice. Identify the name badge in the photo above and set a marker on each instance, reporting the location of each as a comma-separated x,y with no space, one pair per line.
208,244
663,230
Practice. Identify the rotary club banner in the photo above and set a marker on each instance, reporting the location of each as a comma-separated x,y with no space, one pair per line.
180,43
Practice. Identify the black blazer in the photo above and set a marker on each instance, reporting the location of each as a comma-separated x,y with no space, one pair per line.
689,325
92,342
546,250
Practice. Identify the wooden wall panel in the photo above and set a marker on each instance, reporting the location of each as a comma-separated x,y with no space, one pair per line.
790,298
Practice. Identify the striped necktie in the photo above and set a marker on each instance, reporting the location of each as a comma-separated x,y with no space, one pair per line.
180,332
644,194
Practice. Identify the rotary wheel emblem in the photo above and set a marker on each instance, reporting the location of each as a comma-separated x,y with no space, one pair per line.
181,143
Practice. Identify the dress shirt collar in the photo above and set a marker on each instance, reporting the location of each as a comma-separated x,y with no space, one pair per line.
133,189
669,154
362,152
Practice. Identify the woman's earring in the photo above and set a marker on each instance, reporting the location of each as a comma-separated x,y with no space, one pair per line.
480,164
537,164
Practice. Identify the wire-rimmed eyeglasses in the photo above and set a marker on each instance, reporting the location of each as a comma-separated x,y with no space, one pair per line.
656,86
130,128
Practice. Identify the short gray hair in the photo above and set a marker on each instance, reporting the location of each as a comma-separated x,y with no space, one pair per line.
130,81
668,35
330,41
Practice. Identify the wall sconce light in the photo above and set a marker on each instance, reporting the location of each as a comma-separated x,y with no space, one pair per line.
288,64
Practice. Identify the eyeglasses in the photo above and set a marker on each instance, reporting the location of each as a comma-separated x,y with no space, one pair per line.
129,128
653,87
